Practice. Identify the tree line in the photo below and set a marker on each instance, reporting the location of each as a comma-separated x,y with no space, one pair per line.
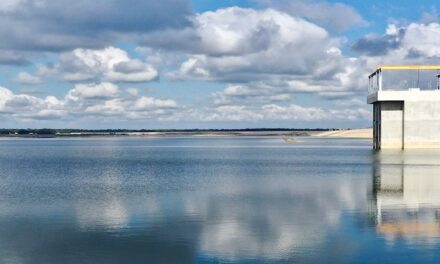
50,131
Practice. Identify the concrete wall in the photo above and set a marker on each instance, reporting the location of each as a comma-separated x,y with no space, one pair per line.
406,119
422,124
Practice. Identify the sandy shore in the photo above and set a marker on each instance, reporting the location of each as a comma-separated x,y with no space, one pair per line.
352,133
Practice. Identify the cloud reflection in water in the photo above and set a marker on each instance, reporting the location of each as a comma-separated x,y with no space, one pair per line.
109,201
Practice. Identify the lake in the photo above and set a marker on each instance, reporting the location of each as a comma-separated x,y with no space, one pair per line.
216,200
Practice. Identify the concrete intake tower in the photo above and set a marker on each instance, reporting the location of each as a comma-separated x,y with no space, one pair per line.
406,107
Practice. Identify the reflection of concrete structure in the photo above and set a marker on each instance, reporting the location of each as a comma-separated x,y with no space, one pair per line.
407,194
405,118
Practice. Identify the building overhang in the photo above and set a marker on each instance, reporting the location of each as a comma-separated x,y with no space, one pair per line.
408,95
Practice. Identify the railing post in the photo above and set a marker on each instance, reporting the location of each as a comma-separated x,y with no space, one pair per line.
379,79
369,84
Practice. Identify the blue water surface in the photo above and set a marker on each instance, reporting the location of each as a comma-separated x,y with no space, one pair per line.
216,200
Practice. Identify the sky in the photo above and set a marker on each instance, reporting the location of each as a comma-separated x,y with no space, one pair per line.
203,63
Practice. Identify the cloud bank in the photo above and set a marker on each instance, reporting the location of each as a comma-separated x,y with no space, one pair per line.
277,61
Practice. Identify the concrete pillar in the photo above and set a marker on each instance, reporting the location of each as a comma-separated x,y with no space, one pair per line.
388,125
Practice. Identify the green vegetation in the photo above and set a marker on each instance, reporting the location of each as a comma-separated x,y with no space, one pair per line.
43,131
48,131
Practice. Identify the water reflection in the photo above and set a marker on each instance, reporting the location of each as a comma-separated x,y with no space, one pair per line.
406,194
281,222
230,200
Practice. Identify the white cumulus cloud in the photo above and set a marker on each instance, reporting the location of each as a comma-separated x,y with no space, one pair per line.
86,101
109,65
96,91
27,78
244,44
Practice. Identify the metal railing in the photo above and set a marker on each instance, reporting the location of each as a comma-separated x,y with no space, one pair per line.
404,77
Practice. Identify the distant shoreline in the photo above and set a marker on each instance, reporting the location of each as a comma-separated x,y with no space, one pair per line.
163,134
286,134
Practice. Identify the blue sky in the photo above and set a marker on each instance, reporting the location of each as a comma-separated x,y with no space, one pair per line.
203,64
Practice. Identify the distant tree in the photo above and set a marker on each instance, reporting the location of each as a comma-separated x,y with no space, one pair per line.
46,131
23,131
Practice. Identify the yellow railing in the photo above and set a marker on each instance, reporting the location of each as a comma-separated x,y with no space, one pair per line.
409,67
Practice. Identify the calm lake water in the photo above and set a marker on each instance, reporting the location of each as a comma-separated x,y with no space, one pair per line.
216,200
